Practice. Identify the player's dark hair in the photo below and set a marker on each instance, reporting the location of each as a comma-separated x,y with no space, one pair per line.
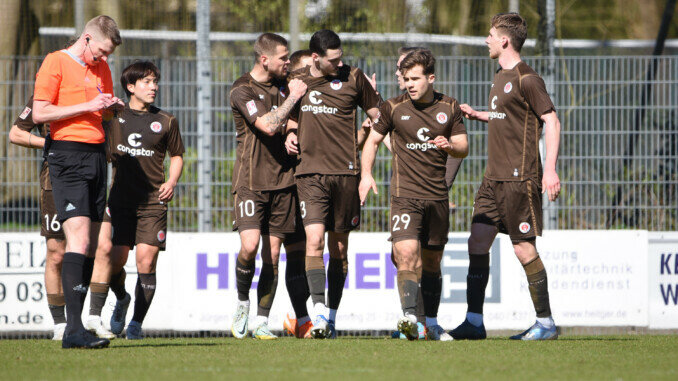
296,57
267,44
107,28
136,71
422,57
513,25
406,49
322,41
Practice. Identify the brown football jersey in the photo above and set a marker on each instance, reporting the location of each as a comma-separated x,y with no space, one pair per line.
138,142
25,122
518,99
261,161
327,120
418,165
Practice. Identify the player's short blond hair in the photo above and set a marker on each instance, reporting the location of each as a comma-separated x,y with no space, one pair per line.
512,25
267,44
104,27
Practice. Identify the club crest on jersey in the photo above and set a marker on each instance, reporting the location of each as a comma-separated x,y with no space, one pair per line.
161,236
336,84
441,118
251,107
355,221
508,87
524,227
25,113
156,127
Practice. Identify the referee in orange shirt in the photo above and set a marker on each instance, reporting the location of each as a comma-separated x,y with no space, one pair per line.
73,92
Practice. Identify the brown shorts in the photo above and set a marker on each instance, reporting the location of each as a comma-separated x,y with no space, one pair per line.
514,207
427,221
50,227
331,200
272,212
145,224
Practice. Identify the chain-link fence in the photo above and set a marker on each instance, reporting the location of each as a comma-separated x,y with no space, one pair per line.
618,160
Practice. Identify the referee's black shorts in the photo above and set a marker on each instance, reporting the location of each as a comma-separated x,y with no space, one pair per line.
78,174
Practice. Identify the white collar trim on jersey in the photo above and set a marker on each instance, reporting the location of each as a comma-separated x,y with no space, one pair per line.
75,58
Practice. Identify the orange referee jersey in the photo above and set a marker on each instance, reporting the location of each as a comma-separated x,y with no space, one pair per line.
65,80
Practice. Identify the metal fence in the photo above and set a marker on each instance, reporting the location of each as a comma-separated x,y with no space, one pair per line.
618,160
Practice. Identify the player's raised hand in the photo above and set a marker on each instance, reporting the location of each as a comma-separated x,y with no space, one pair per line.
442,143
366,183
367,123
297,88
292,144
372,80
166,192
468,111
551,183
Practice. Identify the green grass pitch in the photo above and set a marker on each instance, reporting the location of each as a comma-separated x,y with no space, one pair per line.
578,357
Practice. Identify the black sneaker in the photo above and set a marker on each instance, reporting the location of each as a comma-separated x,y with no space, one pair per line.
468,331
83,339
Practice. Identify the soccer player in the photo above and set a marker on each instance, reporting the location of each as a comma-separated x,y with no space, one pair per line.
50,227
509,198
300,59
73,90
327,173
425,127
263,181
453,163
297,323
140,136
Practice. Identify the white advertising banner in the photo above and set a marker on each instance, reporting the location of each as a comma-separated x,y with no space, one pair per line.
596,278
663,280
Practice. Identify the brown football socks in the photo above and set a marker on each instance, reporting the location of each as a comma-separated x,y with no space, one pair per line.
315,273
421,315
538,286
57,307
266,288
336,277
297,285
143,296
408,288
117,284
476,281
431,288
244,272
98,294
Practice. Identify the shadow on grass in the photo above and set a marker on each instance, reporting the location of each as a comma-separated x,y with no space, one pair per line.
596,338
159,345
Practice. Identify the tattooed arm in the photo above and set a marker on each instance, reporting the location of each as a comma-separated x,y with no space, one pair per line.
272,122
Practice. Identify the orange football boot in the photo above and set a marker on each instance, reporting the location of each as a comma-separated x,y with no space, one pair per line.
290,325
304,331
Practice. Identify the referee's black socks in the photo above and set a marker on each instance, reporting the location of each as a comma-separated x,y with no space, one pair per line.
75,289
